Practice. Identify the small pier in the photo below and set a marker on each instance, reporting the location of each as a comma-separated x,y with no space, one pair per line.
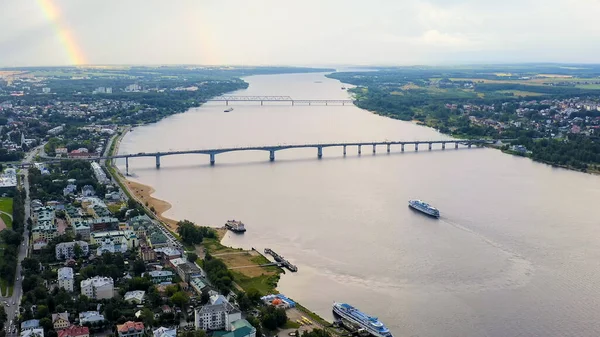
281,260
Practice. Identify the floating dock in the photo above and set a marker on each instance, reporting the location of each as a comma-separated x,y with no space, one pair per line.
281,260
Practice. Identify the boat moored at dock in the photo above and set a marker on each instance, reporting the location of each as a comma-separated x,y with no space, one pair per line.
370,324
235,226
424,207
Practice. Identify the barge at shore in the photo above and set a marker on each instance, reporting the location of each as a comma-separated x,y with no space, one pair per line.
235,226
281,260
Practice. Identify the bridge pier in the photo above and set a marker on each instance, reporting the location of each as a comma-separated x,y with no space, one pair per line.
470,145
456,145
226,103
212,159
271,155
126,166
157,161
344,150
261,103
359,149
416,147
443,146
429,146
374,150
292,103
320,152
402,147
388,148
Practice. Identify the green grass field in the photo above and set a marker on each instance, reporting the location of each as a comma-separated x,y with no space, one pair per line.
7,220
265,284
6,205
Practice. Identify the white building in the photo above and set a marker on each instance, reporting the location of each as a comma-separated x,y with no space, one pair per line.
134,297
66,250
99,173
164,332
217,315
65,278
33,333
90,317
98,287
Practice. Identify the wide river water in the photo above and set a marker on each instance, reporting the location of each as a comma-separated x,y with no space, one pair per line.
516,251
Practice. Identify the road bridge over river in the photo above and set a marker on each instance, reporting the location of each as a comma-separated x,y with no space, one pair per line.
280,99
212,153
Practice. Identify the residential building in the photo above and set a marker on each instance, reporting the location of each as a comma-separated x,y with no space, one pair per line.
218,315
147,253
70,189
60,320
198,285
102,223
61,150
167,253
75,331
134,297
90,317
32,333
164,332
30,324
99,173
65,278
88,191
161,276
189,270
130,329
124,237
66,250
176,262
98,287
81,227
110,245
45,232
239,328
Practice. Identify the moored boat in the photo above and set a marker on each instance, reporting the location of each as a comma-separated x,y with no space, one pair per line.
370,324
235,226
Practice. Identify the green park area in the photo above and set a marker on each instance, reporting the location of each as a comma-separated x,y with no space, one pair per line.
6,211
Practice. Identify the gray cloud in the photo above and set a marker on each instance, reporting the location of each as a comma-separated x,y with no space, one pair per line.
303,32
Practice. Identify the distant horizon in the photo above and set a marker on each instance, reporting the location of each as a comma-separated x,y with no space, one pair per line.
314,66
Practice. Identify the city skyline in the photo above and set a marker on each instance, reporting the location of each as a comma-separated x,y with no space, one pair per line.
67,32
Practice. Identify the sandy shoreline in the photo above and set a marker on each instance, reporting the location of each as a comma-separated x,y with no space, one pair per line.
143,194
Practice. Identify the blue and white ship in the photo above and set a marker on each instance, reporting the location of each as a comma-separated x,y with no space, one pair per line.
424,207
371,325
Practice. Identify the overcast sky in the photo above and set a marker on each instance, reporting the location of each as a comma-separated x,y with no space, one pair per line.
302,32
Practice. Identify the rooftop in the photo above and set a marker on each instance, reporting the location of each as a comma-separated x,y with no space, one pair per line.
65,273
129,325
74,330
137,295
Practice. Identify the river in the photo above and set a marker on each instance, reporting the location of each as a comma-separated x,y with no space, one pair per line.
515,253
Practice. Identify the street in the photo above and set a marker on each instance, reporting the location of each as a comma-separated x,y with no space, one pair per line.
11,304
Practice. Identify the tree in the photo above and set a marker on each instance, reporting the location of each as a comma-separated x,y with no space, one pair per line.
31,264
180,299
46,323
147,316
192,257
42,311
256,324
77,251
272,318
139,267
204,298
3,316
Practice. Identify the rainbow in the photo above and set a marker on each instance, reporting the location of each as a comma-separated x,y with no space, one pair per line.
73,51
